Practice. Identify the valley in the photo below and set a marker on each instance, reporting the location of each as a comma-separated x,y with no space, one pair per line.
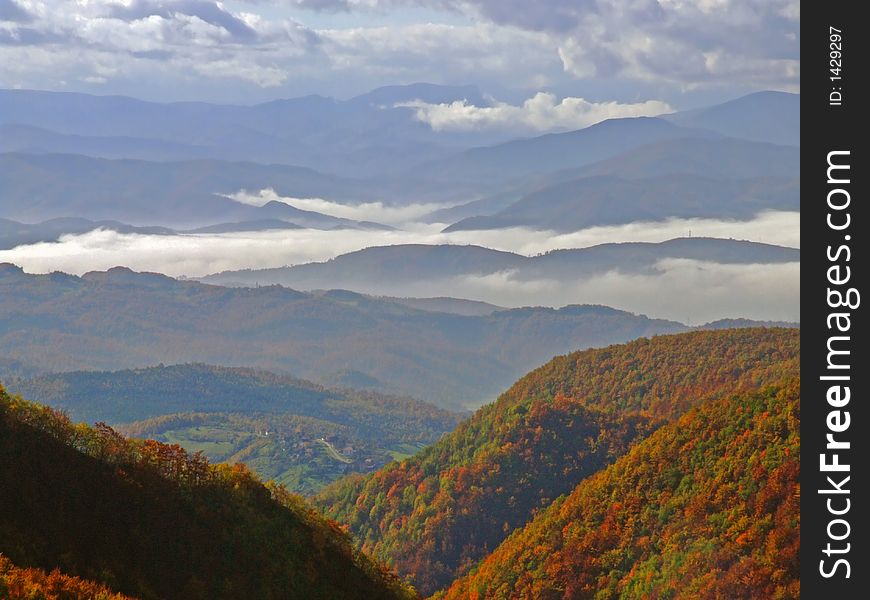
392,301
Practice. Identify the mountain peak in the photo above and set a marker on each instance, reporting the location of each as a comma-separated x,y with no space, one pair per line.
430,93
10,270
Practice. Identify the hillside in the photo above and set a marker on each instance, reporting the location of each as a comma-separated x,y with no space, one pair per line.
277,425
435,515
706,507
154,522
59,322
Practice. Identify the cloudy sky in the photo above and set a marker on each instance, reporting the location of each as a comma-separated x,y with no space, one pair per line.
677,53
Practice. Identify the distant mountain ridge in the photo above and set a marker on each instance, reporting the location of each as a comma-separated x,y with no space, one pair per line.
386,155
179,195
63,322
725,159
606,200
556,151
14,233
355,137
772,117
386,270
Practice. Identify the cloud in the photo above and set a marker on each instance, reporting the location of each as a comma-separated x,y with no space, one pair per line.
211,49
672,40
689,291
771,227
542,112
366,211
197,255
443,53
151,41
207,12
10,10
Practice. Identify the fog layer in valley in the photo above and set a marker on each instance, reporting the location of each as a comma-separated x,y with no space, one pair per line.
680,290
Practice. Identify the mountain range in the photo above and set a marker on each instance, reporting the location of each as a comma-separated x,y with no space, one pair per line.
354,137
691,164
121,319
425,270
370,133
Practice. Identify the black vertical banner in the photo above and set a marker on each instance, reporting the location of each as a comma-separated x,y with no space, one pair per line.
835,421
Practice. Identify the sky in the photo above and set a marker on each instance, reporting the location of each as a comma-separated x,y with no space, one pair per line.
542,65
679,53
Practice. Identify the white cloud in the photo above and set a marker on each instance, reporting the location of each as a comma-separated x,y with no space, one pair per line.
440,52
689,291
542,112
366,211
189,45
197,255
666,40
684,290
771,227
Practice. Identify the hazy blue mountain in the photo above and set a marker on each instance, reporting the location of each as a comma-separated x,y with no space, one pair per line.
429,93
360,136
35,140
521,158
259,225
607,200
720,158
121,319
178,194
11,368
387,269
363,136
763,116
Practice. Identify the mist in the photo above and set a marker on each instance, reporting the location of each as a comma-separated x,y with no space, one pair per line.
681,290
196,255
364,211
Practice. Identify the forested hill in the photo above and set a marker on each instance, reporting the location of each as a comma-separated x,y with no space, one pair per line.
283,428
151,521
435,515
136,394
706,507
120,319
18,583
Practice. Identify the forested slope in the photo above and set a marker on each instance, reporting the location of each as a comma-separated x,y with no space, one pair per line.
706,507
151,521
435,515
